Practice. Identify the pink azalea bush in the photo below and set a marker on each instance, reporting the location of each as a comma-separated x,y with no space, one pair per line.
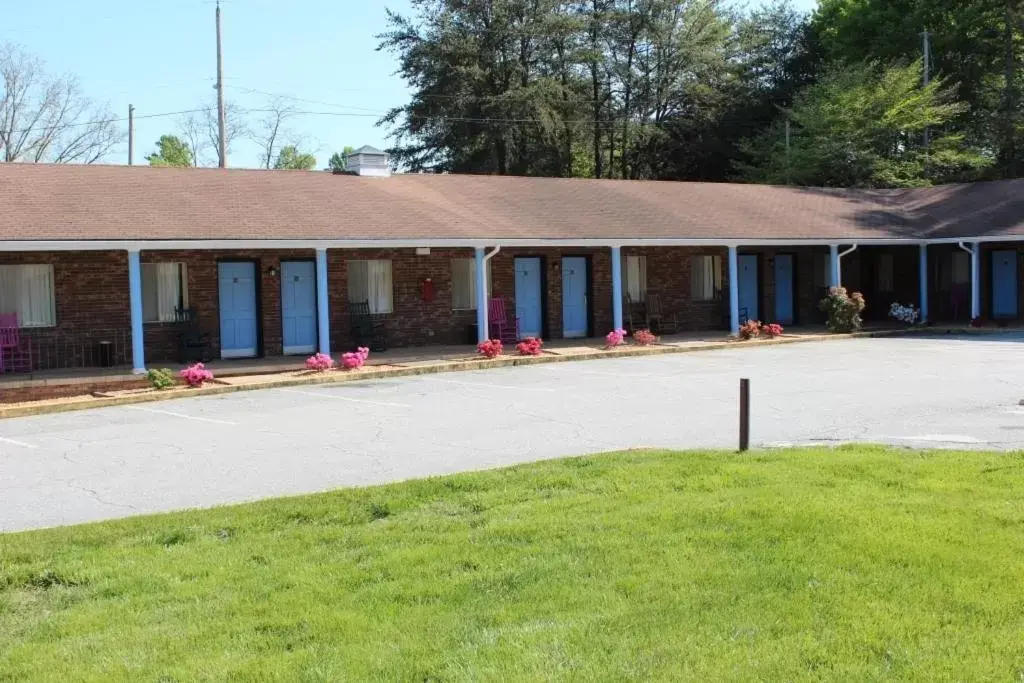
750,329
355,359
489,349
644,337
319,362
529,346
614,338
772,330
196,375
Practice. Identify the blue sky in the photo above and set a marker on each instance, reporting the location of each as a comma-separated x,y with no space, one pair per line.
160,56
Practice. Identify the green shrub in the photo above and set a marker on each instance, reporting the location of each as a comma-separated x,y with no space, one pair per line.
161,379
843,310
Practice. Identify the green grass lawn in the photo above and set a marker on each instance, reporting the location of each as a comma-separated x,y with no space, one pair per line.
852,564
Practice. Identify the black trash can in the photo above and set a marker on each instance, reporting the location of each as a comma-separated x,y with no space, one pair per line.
471,334
105,354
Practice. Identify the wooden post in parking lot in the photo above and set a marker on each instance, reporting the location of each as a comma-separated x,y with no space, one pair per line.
744,414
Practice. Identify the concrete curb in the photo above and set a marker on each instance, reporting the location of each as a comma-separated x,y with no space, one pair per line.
46,407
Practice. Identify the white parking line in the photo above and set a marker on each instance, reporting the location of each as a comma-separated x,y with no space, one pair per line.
181,415
315,394
15,442
481,385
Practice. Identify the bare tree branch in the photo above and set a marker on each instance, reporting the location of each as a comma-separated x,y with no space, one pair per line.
46,118
234,128
193,132
271,131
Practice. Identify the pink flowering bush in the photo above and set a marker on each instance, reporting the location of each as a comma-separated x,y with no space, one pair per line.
529,346
196,375
750,329
355,359
772,330
614,338
489,349
644,337
319,362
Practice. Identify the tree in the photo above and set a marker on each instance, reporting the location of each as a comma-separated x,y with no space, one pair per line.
291,159
235,127
861,126
171,151
338,159
44,118
193,133
974,45
270,130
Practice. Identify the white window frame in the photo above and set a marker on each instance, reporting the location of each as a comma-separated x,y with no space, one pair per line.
635,271
699,277
468,264
23,303
361,285
153,275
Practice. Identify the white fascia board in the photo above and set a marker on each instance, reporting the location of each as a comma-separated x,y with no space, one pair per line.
460,243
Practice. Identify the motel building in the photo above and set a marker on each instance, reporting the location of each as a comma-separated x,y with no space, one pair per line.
135,267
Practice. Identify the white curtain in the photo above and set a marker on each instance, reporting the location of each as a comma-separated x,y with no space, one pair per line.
169,290
706,277
357,281
163,291
370,281
464,284
379,286
27,291
636,277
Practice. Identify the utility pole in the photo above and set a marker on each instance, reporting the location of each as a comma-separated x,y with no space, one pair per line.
927,78
131,134
787,148
222,149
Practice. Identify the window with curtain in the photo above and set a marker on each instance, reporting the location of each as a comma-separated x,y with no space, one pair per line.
164,291
370,281
636,277
705,277
27,291
464,283
886,273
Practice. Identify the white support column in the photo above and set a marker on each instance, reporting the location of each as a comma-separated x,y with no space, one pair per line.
323,313
835,271
923,281
734,291
617,288
481,296
135,308
975,280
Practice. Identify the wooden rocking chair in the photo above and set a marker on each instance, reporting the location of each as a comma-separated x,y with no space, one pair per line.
503,325
657,320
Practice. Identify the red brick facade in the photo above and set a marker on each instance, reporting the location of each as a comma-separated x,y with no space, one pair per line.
91,291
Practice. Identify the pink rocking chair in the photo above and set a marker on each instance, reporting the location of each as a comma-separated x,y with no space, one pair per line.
503,325
15,352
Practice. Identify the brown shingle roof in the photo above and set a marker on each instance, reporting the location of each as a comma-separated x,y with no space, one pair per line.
52,202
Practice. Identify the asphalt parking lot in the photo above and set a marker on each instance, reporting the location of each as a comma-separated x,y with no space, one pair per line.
111,462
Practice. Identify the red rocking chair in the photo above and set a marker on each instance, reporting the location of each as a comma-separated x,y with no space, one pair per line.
15,352
502,324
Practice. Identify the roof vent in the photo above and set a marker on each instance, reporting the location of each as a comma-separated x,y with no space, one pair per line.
368,161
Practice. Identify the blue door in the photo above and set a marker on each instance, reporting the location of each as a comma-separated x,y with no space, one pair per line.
574,297
298,306
748,287
1004,284
784,289
528,297
237,285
